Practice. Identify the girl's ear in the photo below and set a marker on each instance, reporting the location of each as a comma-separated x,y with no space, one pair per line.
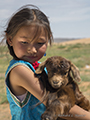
75,72
40,68
9,39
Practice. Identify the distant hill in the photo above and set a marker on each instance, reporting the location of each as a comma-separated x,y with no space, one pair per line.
72,41
59,40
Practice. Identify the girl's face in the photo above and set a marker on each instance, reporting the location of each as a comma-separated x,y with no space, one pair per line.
27,49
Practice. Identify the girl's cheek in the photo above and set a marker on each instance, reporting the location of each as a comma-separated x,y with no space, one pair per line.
19,52
43,49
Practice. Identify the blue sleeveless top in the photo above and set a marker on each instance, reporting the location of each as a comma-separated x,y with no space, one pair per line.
26,109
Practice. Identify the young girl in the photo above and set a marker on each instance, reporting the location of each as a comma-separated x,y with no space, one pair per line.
27,36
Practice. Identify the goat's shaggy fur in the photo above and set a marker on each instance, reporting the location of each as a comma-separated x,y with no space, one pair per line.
63,91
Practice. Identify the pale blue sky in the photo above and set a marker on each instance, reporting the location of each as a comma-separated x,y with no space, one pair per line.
68,18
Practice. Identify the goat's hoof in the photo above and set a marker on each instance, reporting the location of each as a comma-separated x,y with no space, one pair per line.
46,117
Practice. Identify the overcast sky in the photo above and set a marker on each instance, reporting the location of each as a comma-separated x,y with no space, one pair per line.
68,18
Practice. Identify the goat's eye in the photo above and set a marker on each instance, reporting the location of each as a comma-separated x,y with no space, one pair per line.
65,73
62,66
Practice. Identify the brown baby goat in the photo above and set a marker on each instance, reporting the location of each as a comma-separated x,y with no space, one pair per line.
63,91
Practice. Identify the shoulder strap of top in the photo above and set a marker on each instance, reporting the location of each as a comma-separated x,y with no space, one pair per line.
14,63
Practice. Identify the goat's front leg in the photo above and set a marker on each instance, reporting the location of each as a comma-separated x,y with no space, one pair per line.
50,113
56,109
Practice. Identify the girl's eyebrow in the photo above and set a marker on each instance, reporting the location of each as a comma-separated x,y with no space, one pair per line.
26,37
43,39
23,36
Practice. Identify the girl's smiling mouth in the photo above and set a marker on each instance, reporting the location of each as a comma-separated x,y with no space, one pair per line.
30,57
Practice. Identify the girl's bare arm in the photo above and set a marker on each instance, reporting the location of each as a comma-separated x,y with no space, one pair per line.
77,113
22,79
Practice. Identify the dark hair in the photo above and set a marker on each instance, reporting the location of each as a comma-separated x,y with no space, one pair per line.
27,16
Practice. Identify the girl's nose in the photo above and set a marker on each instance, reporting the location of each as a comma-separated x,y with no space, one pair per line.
32,50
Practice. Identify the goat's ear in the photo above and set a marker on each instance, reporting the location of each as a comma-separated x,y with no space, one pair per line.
75,72
40,68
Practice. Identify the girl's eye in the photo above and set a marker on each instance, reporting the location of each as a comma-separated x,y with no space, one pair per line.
39,43
25,43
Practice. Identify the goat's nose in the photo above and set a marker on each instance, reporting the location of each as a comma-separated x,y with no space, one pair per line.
55,82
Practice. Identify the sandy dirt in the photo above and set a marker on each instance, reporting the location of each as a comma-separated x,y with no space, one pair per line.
4,112
4,108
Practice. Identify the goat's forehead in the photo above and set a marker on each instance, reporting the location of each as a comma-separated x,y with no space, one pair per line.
58,61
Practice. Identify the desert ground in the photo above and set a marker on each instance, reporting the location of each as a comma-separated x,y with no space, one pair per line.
4,108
